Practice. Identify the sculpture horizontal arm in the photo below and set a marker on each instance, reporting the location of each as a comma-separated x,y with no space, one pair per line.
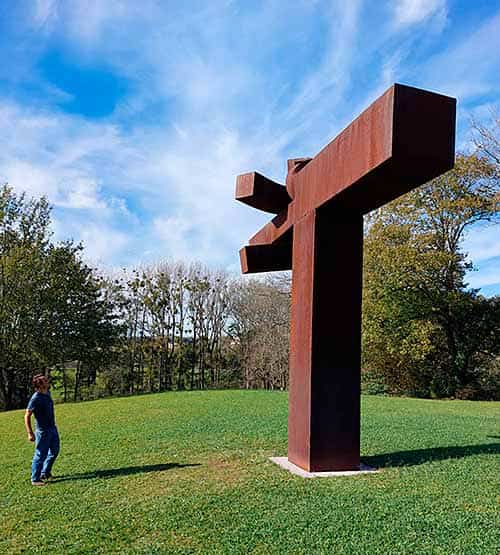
267,258
404,139
260,192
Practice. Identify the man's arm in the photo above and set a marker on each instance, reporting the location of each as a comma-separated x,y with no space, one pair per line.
27,424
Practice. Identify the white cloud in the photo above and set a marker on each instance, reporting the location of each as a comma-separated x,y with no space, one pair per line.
44,11
87,20
409,12
483,243
29,177
182,183
327,84
60,157
485,277
204,221
147,190
103,243
173,232
469,67
83,194
64,187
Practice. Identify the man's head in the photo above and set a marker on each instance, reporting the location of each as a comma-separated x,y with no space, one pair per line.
40,383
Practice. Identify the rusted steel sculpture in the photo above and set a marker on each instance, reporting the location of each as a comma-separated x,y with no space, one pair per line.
405,138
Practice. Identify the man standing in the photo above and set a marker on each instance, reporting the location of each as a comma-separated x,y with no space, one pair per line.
46,435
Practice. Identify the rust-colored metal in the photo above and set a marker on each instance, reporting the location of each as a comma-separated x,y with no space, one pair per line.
260,192
268,258
405,138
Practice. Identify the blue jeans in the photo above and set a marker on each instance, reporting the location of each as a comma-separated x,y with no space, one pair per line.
46,451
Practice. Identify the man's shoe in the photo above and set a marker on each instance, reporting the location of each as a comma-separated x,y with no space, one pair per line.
46,477
38,483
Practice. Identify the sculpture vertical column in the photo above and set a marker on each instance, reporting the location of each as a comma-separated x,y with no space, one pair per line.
325,346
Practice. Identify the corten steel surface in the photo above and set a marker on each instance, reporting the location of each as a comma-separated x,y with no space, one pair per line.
262,193
405,138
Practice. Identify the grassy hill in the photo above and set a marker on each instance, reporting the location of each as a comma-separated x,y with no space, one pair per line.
189,473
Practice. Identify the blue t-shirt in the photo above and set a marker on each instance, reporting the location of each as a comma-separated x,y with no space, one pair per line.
42,406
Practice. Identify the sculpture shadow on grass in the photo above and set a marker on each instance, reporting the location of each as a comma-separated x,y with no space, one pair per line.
422,456
125,471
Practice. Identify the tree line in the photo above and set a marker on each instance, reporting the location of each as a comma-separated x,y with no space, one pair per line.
185,326
168,326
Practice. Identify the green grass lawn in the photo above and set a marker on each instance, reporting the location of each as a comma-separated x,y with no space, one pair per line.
189,473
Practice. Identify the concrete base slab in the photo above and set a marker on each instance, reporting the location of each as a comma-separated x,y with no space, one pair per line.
294,469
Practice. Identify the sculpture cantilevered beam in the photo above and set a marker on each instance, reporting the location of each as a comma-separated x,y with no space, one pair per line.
404,139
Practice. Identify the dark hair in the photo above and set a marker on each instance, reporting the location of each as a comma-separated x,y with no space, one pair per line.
37,380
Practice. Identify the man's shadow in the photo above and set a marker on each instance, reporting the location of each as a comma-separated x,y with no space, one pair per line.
125,471
421,456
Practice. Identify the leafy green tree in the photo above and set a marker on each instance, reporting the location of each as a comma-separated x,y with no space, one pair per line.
423,330
52,307
24,237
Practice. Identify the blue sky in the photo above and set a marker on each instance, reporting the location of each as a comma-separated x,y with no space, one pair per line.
135,117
